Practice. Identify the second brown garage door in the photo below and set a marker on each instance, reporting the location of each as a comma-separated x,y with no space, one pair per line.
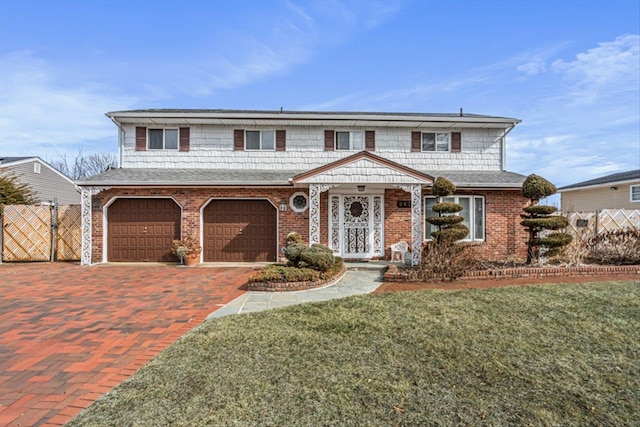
240,231
141,230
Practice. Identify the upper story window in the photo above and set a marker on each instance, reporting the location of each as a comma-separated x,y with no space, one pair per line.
436,141
260,140
472,211
431,142
37,168
163,139
635,193
350,140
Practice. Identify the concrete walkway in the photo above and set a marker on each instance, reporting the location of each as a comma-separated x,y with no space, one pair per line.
360,278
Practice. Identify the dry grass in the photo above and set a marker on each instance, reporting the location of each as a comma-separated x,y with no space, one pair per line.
537,355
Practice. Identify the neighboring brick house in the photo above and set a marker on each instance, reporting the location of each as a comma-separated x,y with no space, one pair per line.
46,181
241,181
616,191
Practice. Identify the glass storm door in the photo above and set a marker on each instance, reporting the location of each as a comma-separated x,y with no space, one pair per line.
356,226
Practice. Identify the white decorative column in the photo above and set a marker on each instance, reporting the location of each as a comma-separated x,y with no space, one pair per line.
416,220
314,210
86,210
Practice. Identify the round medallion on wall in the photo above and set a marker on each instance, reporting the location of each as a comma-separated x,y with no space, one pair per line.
299,202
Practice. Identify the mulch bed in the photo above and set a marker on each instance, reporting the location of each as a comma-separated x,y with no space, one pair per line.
498,283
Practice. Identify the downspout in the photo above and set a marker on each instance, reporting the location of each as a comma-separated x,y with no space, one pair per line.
503,145
120,142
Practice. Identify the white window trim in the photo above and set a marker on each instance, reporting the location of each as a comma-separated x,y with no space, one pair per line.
163,139
37,167
350,132
472,209
436,143
631,187
260,132
293,196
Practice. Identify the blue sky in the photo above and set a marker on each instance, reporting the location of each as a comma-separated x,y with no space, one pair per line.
568,69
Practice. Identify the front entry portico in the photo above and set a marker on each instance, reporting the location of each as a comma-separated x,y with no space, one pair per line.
356,214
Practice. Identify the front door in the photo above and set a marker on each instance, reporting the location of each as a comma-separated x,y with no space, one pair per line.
356,225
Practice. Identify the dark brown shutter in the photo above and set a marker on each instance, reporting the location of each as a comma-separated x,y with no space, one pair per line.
184,139
238,140
456,142
416,141
370,140
281,140
141,139
329,140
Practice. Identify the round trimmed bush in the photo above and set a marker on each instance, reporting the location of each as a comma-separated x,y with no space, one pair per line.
446,220
536,187
447,207
540,209
550,223
453,232
442,187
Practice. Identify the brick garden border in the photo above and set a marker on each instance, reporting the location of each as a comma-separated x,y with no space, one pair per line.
294,286
392,274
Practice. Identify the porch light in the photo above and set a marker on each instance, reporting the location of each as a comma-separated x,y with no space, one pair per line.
283,205
361,188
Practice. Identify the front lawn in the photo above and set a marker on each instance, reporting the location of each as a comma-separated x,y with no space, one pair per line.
534,355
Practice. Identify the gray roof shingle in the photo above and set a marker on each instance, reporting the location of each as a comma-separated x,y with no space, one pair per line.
250,177
608,179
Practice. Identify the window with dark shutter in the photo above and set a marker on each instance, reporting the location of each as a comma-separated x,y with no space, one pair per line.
184,139
281,140
238,140
456,142
416,141
141,139
329,140
370,140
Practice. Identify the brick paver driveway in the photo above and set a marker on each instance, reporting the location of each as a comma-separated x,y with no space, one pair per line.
68,333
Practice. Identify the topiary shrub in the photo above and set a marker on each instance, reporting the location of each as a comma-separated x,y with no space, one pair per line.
450,226
538,218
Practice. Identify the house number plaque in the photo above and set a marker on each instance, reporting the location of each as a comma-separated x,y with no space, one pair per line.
404,203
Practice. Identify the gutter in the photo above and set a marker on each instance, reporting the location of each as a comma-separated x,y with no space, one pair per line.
120,140
503,144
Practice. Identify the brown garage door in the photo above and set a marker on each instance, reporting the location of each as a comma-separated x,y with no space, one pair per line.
141,230
240,231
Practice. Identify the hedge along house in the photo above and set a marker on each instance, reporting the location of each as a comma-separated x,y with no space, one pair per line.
241,181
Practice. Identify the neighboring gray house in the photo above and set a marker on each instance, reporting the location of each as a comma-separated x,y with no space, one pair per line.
616,191
46,181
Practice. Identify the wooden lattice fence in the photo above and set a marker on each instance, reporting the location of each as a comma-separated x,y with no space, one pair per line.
586,225
41,233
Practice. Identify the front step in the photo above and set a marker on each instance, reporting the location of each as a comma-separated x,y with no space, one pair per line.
366,265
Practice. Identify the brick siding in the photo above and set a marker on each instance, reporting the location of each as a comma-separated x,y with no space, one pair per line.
505,237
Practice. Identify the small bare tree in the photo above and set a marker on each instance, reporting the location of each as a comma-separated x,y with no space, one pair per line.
81,165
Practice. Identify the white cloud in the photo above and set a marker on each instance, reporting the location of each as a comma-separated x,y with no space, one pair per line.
533,67
37,113
612,67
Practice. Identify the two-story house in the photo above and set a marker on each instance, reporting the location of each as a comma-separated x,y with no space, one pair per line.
241,181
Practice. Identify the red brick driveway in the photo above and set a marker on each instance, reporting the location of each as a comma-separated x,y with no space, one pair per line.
68,333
